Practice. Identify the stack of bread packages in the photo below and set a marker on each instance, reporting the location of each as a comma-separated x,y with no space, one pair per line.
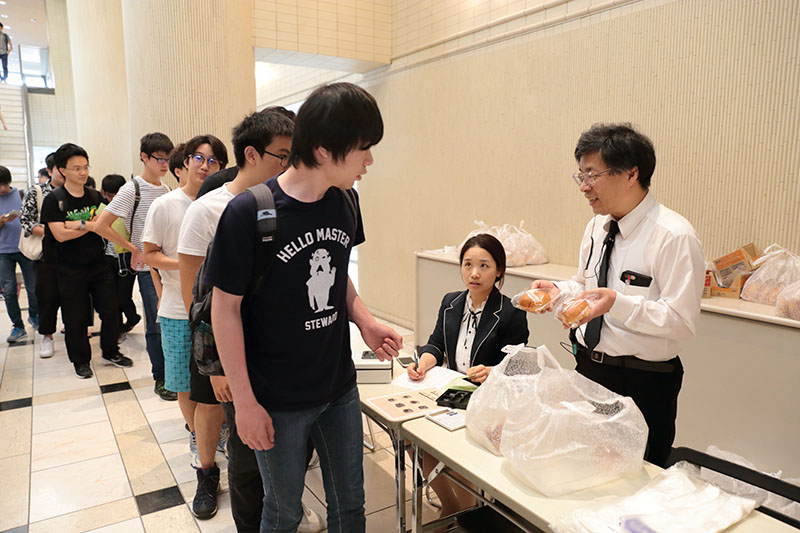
778,268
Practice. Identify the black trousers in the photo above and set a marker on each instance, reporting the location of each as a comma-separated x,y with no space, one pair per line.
48,296
655,393
244,479
124,279
75,286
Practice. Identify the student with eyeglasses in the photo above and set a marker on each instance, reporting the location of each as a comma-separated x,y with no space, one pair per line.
204,155
69,213
154,151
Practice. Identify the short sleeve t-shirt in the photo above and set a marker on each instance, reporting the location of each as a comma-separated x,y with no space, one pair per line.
122,206
86,250
296,327
200,222
161,228
217,179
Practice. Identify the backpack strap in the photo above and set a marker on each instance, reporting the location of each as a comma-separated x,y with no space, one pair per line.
136,199
266,231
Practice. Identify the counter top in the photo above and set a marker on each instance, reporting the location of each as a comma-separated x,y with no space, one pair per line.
552,272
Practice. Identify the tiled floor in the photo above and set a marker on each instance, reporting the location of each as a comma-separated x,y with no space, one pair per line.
106,454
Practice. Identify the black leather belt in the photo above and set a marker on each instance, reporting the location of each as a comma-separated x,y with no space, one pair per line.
624,361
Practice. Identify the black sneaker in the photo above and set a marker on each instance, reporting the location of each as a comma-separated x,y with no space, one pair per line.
130,324
204,505
165,394
117,359
83,370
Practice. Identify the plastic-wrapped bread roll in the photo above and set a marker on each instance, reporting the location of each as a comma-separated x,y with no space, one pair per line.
573,310
532,300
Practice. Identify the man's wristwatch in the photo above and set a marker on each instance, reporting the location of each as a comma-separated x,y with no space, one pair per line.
83,225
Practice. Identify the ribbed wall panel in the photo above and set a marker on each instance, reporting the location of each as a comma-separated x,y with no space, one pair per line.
190,67
489,134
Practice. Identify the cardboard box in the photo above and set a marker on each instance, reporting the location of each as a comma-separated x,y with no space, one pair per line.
739,261
734,291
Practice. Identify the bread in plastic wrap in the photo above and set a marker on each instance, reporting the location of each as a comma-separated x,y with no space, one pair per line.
531,300
777,268
573,310
788,301
568,433
493,400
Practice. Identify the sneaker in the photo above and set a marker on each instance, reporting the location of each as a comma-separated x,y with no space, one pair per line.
46,348
194,457
163,393
34,321
204,505
16,335
130,324
117,359
224,435
311,522
83,370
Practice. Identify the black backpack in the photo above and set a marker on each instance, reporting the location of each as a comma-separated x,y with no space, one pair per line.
204,349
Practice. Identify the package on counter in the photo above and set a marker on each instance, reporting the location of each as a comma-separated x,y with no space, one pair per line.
778,267
739,261
567,433
674,501
492,401
788,302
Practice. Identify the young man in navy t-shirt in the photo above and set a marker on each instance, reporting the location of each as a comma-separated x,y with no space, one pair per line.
286,351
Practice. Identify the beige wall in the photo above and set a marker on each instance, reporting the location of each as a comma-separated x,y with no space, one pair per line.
357,29
53,116
101,95
488,134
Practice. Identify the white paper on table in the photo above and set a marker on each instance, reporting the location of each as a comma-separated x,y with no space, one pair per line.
437,377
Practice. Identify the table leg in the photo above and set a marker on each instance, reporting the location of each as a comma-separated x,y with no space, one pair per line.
417,490
400,479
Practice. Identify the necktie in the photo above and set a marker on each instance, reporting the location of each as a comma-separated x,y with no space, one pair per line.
592,334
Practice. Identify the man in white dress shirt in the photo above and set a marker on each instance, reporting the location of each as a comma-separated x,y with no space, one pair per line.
644,265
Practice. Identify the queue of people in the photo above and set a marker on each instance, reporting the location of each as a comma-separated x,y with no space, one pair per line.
284,343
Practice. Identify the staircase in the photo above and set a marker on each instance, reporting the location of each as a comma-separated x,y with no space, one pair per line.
13,148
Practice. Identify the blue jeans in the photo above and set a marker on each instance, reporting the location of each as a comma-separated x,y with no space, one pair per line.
8,279
4,60
152,330
335,429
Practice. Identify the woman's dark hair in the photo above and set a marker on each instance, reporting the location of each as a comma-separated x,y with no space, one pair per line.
217,146
495,249
339,117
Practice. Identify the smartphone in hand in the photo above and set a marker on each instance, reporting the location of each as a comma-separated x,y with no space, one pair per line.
405,360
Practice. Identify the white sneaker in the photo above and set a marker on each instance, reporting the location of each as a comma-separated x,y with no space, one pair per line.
311,522
46,348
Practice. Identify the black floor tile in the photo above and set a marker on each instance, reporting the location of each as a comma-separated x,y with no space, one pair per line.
15,404
158,500
114,387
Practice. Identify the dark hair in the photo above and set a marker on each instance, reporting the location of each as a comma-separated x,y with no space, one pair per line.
155,142
495,249
43,172
91,183
280,109
1,24
5,175
338,117
50,160
112,183
258,129
176,158
220,152
621,147
67,150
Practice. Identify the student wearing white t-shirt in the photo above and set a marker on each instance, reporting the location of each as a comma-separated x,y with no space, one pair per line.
204,155
261,145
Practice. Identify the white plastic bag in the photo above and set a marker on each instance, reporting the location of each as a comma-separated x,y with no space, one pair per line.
520,246
568,433
788,303
673,502
491,402
778,268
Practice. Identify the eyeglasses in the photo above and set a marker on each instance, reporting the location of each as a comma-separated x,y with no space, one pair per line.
86,168
589,178
199,159
160,160
284,158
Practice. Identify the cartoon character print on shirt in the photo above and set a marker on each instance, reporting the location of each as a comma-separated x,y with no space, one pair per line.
85,213
323,276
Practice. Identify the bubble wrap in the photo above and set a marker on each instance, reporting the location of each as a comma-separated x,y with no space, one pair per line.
567,433
492,401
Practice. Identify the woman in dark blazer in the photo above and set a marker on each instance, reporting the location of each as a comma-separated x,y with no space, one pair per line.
474,325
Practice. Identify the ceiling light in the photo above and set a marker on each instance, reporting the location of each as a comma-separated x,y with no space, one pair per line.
3,15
